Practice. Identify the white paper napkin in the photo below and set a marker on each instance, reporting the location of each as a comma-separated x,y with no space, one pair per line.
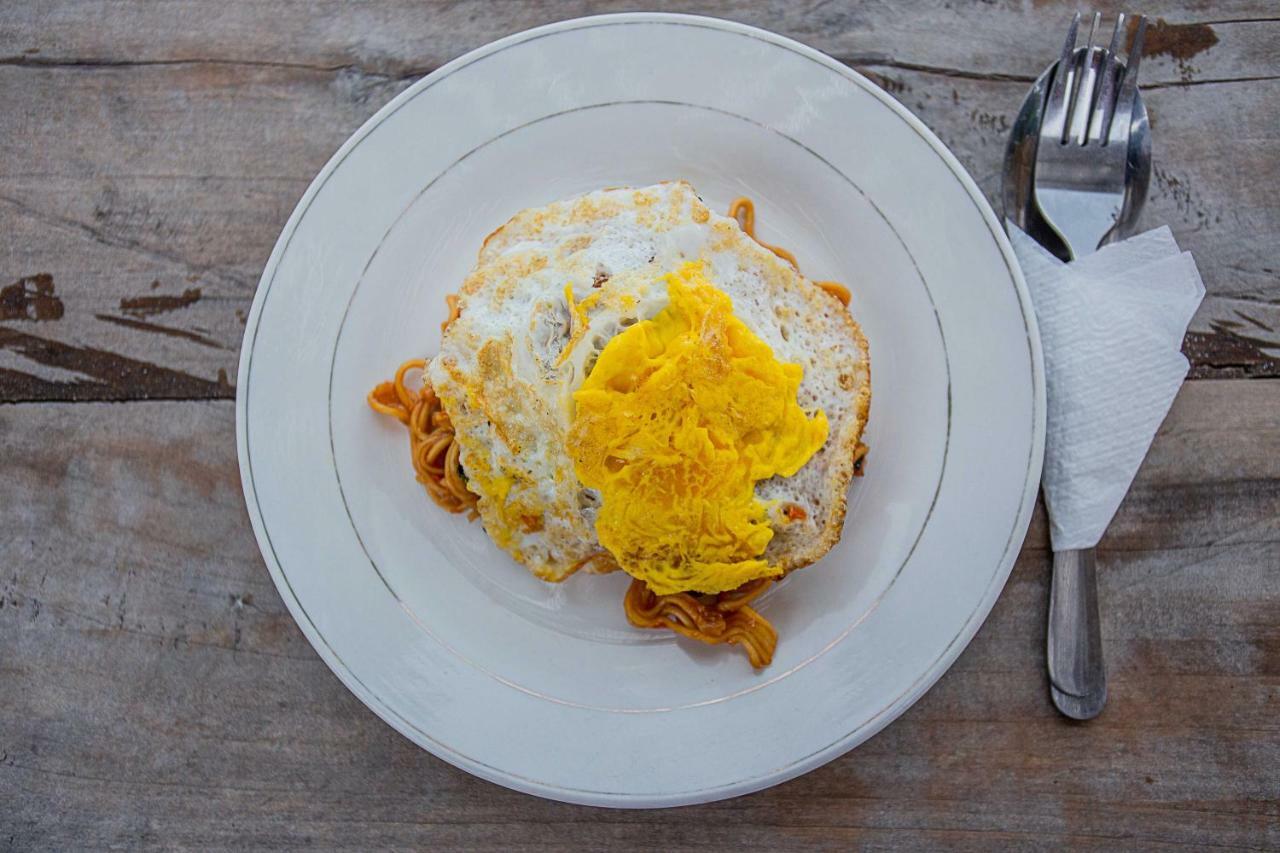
1112,325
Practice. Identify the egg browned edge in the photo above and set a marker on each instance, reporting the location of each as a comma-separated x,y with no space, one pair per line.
843,445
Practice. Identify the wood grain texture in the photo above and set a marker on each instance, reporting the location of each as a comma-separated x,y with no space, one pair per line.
153,151
157,694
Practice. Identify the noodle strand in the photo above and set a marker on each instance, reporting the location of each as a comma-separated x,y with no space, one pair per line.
743,209
433,448
725,618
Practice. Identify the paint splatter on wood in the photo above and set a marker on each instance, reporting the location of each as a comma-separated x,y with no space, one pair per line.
1227,353
108,375
1177,41
149,306
170,331
31,298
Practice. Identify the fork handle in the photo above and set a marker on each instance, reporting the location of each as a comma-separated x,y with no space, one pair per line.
1076,671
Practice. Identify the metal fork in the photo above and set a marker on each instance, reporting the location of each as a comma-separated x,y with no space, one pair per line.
1079,185
1080,174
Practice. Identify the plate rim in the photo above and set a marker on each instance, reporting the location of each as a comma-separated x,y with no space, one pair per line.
803,765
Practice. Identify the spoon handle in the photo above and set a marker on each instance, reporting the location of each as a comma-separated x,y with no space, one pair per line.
1076,670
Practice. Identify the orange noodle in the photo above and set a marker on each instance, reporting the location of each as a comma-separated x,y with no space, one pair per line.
723,618
743,209
432,447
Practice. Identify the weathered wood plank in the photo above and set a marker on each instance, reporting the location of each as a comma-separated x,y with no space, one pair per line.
156,693
155,150
401,38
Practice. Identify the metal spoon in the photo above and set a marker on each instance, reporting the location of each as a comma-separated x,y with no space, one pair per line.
1078,682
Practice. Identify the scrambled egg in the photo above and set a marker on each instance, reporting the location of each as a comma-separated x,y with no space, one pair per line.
679,419
510,365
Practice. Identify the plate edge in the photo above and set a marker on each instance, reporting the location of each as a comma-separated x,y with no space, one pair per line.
602,799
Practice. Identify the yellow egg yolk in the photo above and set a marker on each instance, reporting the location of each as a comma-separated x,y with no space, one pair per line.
680,418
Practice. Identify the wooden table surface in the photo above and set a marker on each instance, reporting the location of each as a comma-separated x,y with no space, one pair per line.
154,692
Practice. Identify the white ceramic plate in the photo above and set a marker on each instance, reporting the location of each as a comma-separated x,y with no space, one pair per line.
544,688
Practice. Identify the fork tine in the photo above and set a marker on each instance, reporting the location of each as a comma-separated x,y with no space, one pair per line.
1128,86
1131,67
1100,124
1081,104
1054,121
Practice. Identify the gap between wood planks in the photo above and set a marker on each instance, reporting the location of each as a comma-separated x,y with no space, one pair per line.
856,62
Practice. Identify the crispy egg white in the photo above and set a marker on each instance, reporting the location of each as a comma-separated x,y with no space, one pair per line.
549,291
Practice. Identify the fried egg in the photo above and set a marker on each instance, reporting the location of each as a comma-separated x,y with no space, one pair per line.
631,375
